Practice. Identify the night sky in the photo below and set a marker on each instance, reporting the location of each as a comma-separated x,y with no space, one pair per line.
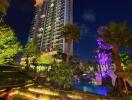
88,14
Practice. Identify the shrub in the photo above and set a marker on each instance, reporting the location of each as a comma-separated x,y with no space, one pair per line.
61,75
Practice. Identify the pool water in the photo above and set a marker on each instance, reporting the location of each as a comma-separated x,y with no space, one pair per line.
91,88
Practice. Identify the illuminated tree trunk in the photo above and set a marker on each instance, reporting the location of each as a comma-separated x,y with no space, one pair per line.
68,51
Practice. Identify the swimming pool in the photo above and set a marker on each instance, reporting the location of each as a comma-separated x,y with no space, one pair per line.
91,88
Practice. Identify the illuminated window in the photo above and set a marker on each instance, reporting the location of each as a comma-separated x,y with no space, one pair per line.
42,16
52,5
41,29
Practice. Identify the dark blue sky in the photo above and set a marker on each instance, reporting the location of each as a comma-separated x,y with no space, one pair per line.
88,14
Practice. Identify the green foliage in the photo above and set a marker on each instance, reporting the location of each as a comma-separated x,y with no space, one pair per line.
125,59
92,66
45,59
61,75
60,55
9,45
117,34
31,50
71,31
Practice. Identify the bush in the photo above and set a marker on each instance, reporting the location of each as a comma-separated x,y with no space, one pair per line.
61,75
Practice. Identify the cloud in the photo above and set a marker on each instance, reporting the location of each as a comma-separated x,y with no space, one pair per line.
85,30
89,16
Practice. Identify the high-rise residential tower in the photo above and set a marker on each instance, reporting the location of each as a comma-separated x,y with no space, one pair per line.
50,17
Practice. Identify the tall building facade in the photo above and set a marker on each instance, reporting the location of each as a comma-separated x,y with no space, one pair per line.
50,17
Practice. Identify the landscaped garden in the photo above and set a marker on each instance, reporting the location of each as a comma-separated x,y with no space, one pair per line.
26,73
66,74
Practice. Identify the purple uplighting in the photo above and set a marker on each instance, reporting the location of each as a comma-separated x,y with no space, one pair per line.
103,54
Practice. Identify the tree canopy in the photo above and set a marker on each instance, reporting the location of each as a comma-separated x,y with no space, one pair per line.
31,50
61,75
9,45
117,34
71,31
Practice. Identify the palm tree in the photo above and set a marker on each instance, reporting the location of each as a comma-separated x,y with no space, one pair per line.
117,35
3,7
71,32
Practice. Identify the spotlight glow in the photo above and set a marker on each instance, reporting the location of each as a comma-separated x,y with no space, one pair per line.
38,2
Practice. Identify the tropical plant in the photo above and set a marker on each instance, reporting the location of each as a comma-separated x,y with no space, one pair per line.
125,60
117,35
61,75
9,45
60,55
71,32
92,66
